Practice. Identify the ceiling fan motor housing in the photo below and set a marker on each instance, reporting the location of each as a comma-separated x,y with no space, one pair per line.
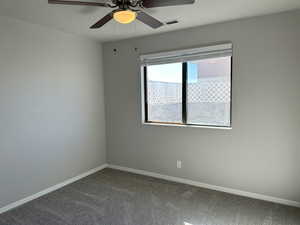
127,4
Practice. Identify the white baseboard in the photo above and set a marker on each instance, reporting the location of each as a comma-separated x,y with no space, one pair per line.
151,174
50,189
209,186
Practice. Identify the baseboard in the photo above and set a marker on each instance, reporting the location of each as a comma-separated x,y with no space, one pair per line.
209,186
50,189
151,174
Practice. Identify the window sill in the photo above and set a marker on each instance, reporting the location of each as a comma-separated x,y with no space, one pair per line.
189,126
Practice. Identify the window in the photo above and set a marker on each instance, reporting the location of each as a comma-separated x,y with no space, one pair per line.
188,87
164,91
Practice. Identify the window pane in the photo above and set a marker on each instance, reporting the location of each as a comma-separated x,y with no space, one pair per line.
164,86
208,95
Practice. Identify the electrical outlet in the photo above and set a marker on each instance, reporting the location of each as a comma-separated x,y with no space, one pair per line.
179,164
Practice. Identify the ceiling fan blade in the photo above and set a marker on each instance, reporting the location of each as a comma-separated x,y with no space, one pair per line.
162,3
103,21
62,2
149,20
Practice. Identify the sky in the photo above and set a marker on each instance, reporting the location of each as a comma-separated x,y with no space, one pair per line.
165,72
172,72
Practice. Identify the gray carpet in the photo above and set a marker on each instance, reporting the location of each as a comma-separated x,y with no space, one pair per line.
111,197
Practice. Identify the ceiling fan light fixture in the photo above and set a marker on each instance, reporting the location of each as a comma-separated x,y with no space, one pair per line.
125,16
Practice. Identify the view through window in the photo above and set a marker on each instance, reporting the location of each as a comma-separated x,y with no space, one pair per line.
165,93
208,91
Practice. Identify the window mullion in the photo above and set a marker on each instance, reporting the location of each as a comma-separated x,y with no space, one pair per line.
184,92
146,93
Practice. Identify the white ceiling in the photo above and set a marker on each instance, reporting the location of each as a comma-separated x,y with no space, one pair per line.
77,19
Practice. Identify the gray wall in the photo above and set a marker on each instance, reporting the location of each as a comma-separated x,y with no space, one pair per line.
261,154
52,124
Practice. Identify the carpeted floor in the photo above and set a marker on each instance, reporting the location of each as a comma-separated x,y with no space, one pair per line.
111,197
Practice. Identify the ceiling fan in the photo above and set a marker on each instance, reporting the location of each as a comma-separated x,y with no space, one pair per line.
126,11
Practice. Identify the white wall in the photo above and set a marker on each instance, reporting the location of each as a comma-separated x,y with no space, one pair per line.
52,124
261,154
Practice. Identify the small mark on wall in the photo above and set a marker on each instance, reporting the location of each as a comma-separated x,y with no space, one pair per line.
115,51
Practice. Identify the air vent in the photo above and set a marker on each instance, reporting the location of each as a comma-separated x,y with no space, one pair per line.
172,22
